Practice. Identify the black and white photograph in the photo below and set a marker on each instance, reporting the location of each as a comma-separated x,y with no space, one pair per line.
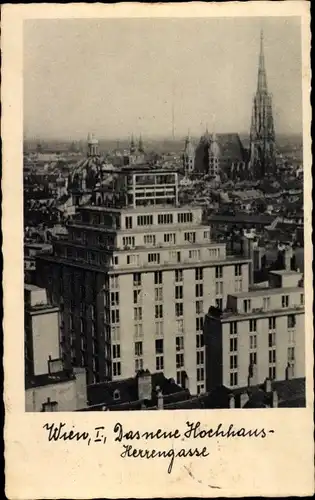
163,214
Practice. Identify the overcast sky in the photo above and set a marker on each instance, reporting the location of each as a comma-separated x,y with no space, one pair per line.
115,77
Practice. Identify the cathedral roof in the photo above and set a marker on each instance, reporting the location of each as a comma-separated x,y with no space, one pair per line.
90,163
231,146
225,146
206,138
88,168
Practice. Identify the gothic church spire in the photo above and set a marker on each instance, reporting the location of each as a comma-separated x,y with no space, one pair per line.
262,135
262,77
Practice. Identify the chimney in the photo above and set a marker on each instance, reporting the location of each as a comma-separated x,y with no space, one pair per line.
268,387
248,252
144,385
232,401
288,254
275,399
186,382
159,398
244,398
252,375
289,371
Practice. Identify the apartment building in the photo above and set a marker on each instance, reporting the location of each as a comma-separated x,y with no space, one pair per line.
260,335
134,282
48,385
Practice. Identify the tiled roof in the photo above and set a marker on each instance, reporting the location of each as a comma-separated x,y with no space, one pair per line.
291,394
103,393
290,390
231,146
242,218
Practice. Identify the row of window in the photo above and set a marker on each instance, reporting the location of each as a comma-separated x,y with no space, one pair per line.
253,357
107,240
82,324
155,258
285,302
96,219
168,218
81,255
158,310
159,349
179,312
159,364
158,276
291,323
272,371
219,271
150,239
159,331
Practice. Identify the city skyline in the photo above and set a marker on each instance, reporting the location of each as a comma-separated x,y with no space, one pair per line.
120,103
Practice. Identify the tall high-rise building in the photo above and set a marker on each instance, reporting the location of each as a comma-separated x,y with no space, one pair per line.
262,133
134,279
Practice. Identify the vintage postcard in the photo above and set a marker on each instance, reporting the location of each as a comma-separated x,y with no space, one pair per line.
157,250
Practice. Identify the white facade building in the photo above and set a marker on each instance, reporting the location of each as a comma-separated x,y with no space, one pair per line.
260,335
135,283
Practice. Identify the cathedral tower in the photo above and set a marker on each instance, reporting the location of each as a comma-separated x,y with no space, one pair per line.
189,156
262,134
132,145
140,146
214,156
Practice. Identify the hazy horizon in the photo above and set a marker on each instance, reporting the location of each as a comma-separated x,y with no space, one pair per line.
118,77
122,139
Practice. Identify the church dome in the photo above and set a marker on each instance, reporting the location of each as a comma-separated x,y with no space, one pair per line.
92,139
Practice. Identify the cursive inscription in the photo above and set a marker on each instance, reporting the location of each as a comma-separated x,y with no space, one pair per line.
193,432
131,452
158,434
60,432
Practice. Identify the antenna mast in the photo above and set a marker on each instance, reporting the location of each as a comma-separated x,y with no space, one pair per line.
173,112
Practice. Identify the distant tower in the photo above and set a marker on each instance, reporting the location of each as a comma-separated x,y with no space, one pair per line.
214,156
92,145
132,145
262,134
189,156
140,146
173,112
